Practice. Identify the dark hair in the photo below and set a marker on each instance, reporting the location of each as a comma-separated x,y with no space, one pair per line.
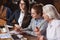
37,8
1,2
26,3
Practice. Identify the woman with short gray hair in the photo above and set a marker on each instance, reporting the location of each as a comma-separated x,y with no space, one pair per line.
51,15
51,11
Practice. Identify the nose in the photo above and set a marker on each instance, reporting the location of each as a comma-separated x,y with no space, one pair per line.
31,14
43,15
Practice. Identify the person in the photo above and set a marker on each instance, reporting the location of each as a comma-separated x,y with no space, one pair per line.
21,16
37,22
5,13
51,15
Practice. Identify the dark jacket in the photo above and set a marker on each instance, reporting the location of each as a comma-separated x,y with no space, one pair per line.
4,15
16,14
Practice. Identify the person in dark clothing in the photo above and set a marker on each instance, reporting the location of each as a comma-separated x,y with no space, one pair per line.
21,16
5,13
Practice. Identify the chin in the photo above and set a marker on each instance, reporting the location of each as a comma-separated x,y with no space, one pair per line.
34,17
45,19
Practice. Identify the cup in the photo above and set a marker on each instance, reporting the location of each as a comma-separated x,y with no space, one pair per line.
3,30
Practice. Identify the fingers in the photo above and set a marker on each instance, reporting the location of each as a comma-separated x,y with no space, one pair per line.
36,29
16,25
41,37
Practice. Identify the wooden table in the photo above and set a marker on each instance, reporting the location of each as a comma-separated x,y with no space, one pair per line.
6,39
30,37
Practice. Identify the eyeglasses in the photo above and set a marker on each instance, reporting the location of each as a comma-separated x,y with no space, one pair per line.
22,3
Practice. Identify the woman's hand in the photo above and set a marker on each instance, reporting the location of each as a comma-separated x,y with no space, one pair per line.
37,31
41,38
16,27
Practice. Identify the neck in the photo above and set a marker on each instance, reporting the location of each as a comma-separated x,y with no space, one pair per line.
38,18
23,11
50,20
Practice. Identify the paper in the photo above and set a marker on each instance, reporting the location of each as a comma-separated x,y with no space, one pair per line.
9,26
19,36
6,35
14,32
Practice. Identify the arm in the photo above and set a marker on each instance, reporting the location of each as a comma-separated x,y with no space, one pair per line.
29,27
9,21
58,32
43,28
29,30
9,13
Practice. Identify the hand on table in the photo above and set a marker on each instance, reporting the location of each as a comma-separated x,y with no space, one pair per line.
18,28
41,38
37,31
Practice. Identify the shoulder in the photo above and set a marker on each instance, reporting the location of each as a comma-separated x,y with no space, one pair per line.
32,20
8,9
43,21
28,15
56,23
16,12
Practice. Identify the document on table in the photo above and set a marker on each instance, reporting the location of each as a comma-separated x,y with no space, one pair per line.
14,32
9,26
6,35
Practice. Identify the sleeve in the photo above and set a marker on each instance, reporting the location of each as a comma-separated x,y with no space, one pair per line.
9,13
58,32
43,28
9,21
31,33
29,28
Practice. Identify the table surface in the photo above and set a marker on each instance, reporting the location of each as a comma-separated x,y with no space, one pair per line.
29,37
6,39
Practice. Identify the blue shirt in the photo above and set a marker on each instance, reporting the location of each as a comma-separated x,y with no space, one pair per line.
40,23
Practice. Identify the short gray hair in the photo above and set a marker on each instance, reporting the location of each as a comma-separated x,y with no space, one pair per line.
51,11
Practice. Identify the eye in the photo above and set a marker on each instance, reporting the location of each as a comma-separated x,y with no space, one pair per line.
22,3
32,13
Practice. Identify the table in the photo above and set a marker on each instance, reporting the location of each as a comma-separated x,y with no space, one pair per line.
29,37
6,39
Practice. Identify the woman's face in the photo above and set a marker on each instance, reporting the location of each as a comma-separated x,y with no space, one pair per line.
34,14
22,5
46,17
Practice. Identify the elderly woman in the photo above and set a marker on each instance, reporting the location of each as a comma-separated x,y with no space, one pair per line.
51,15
